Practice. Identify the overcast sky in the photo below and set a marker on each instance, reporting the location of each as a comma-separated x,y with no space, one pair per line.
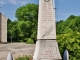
65,8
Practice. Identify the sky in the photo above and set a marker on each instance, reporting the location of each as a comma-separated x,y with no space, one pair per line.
64,8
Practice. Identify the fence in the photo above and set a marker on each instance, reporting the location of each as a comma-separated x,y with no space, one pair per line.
65,56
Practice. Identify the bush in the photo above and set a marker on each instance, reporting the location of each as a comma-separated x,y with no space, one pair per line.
21,40
24,57
25,39
30,41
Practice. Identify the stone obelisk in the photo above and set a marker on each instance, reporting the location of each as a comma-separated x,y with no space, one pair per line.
46,45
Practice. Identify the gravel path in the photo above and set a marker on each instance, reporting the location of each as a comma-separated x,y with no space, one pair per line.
16,49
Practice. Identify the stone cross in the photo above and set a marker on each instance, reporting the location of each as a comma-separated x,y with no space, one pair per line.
46,45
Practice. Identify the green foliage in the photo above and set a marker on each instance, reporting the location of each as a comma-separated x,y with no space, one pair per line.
26,24
30,41
21,40
12,30
24,57
70,42
27,12
68,36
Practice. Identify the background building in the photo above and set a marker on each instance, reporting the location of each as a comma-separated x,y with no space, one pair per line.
3,28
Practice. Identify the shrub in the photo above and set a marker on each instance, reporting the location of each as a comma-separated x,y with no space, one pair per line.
30,41
24,57
21,40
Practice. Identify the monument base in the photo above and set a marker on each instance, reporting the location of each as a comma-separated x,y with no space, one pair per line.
46,50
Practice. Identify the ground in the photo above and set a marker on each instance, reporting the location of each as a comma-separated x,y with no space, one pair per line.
16,49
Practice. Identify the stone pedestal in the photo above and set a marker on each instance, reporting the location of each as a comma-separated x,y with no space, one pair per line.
46,50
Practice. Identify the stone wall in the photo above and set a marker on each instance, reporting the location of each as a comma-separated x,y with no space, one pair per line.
0,27
3,28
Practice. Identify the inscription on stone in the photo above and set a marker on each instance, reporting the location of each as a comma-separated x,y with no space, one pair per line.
49,50
47,17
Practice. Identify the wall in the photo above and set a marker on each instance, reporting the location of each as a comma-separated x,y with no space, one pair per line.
3,28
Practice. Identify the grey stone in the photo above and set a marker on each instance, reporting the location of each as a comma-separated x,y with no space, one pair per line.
3,28
46,45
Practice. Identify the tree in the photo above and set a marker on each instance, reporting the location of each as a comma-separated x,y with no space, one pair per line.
68,36
9,25
27,17
71,17
27,12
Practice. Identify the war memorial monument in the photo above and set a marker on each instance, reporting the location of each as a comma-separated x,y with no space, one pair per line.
46,45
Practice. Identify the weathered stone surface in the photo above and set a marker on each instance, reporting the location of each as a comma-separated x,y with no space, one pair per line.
3,28
49,49
46,20
46,49
46,45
